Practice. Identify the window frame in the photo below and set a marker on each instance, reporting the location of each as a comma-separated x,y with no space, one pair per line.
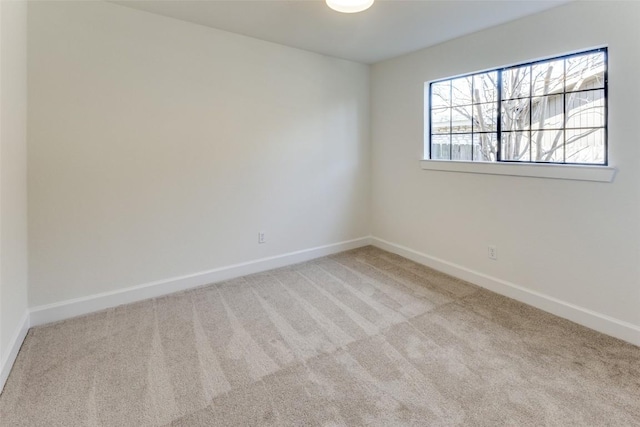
499,133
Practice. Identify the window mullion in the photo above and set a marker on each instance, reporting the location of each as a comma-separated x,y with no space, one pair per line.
430,121
564,111
606,107
499,123
531,114
473,100
451,120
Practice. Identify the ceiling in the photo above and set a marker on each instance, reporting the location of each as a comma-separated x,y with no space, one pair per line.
390,28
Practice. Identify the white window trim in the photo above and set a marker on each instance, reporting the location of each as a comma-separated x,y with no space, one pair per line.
533,170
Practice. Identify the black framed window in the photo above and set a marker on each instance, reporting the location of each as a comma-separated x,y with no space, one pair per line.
548,111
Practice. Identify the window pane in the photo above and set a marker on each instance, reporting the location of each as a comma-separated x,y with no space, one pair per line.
516,82
485,88
515,114
585,109
585,71
485,117
585,146
461,91
548,112
462,146
441,120
461,119
440,147
515,146
548,77
546,146
441,94
484,147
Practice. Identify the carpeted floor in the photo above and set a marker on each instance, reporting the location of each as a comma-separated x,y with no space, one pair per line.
360,338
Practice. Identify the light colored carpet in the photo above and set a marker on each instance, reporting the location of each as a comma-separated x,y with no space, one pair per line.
360,338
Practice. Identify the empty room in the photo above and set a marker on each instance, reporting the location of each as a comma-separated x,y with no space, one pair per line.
319,213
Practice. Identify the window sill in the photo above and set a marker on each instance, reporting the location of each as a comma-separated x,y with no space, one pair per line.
570,172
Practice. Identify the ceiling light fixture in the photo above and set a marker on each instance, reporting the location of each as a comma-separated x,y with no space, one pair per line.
349,6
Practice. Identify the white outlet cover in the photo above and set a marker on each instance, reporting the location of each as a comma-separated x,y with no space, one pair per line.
492,252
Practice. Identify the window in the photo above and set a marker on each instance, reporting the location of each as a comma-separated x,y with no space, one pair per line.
549,111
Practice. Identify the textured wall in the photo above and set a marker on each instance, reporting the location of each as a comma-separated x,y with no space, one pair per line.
13,171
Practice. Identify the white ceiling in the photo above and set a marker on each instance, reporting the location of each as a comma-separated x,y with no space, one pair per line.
390,28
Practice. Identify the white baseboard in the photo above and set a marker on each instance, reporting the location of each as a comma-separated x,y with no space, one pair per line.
76,307
14,347
591,319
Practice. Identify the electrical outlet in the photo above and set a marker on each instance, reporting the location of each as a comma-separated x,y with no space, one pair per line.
261,237
492,252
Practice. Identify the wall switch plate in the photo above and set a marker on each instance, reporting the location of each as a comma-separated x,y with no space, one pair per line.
261,237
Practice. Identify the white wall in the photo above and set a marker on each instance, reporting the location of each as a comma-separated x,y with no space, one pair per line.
159,148
576,242
13,178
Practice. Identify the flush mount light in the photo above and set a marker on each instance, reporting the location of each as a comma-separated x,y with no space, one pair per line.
349,6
